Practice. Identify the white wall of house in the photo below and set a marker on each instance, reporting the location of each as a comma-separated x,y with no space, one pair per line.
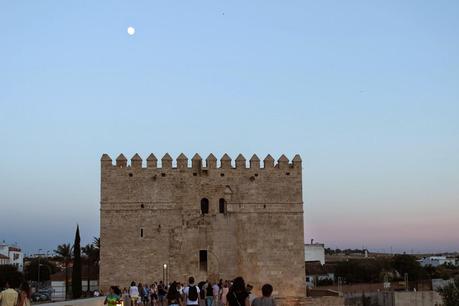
59,288
17,259
14,254
4,261
436,261
314,252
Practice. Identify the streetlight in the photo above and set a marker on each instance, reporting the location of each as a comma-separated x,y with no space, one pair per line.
165,274
38,277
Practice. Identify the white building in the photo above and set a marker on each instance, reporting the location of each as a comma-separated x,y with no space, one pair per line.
14,255
58,282
436,261
4,260
314,252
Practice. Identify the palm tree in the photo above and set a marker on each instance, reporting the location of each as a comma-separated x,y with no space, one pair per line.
64,251
91,257
92,252
96,242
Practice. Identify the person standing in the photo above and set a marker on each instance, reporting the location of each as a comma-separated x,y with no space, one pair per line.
215,293
153,294
252,296
266,299
225,290
9,296
24,294
191,293
114,297
237,294
145,295
133,294
125,296
173,296
141,296
209,293
161,293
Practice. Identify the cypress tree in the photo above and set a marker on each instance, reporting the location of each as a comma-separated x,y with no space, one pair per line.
76,271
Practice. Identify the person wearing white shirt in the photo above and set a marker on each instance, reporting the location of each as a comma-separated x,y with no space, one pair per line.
191,293
133,293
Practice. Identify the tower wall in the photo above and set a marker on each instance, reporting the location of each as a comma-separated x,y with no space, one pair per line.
259,236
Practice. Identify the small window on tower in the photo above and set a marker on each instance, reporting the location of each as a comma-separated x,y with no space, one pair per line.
141,232
203,260
222,206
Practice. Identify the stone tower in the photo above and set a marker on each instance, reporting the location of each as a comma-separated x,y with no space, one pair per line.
208,221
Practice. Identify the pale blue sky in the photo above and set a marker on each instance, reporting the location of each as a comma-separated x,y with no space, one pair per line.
366,91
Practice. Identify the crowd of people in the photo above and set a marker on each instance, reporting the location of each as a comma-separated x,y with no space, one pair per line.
222,293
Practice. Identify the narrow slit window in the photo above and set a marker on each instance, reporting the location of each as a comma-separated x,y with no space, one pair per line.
222,206
141,233
203,260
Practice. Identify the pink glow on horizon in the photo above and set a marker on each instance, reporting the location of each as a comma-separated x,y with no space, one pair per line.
435,233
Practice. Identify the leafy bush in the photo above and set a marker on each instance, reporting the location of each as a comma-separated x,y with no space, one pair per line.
450,293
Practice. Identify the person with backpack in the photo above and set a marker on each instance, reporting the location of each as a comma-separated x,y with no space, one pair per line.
145,295
191,293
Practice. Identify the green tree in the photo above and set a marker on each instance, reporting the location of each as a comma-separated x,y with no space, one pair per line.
92,258
76,272
450,293
43,265
361,270
64,253
408,264
96,242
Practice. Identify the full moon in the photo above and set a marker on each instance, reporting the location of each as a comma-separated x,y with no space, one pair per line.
131,31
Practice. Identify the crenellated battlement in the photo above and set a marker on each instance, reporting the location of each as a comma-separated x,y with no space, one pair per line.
197,163
209,216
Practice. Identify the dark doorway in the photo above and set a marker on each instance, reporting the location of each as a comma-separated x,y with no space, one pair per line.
204,206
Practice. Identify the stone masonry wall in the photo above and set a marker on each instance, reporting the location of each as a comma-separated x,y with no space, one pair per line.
151,216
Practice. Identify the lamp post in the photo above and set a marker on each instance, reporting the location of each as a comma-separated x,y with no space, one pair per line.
38,276
165,274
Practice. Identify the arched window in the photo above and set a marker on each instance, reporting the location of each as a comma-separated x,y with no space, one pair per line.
222,206
204,206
